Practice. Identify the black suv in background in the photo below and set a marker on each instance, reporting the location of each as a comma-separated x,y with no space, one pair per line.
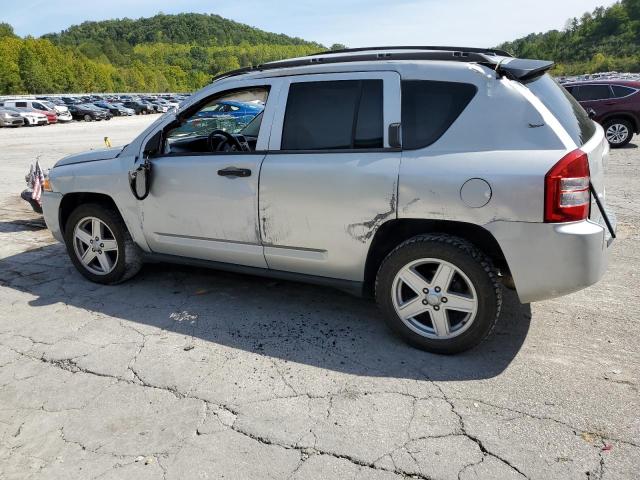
614,104
139,107
88,112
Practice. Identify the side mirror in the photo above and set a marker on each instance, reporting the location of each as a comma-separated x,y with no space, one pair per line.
592,113
154,145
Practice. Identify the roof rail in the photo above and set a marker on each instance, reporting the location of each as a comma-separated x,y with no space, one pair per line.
488,51
515,68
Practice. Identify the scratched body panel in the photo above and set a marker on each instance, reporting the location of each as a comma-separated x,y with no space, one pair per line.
499,137
319,212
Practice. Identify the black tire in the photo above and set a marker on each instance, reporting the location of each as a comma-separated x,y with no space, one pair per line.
466,257
130,258
87,118
621,124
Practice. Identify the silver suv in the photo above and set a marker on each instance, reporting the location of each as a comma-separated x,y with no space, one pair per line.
425,176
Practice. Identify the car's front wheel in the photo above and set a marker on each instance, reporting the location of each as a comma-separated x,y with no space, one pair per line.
100,245
618,132
87,118
439,293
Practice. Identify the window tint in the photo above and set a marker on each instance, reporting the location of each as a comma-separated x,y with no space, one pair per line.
592,92
564,107
21,104
429,108
333,115
619,91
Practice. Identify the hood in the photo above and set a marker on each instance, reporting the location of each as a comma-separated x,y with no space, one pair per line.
90,156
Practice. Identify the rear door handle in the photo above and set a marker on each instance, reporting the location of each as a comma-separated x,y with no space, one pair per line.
234,172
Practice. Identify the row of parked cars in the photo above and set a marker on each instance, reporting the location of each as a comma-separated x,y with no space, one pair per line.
47,110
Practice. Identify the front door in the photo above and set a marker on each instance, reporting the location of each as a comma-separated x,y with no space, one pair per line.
203,200
329,180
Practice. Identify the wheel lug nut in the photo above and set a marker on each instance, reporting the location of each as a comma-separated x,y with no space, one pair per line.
436,307
424,302
444,300
437,289
425,290
91,241
97,239
102,245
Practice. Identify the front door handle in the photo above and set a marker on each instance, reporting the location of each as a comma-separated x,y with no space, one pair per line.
234,172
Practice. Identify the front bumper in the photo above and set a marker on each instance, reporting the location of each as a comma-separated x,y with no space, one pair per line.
51,212
549,260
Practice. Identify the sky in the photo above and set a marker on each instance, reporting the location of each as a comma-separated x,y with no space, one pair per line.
355,23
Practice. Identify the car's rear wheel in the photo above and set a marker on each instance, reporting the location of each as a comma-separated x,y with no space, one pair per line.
619,132
100,245
439,293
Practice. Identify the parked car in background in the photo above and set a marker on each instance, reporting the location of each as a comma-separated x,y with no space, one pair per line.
615,104
30,117
70,101
126,110
111,108
34,105
139,107
61,110
88,112
10,118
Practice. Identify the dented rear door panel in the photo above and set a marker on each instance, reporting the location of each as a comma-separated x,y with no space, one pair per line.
319,211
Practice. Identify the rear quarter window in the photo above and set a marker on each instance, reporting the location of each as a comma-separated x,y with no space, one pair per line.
620,91
429,108
565,108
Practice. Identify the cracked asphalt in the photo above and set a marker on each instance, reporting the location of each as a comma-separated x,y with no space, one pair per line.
186,373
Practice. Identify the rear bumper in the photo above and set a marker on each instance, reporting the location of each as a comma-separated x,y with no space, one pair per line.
549,260
51,212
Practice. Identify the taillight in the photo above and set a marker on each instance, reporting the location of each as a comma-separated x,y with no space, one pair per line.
566,189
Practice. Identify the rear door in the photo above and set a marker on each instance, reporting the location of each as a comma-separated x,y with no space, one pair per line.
330,177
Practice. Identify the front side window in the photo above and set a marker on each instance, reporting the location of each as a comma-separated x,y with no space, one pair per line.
230,113
334,115
429,108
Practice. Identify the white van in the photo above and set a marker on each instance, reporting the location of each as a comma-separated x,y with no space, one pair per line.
61,111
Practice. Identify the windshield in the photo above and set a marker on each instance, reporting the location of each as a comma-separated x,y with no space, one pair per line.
565,108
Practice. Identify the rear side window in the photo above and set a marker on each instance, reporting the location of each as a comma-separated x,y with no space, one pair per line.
429,108
564,107
333,115
619,91
21,104
586,93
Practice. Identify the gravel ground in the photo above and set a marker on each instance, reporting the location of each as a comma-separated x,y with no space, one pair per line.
186,373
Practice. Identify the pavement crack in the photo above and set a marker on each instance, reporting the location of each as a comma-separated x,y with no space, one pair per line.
473,438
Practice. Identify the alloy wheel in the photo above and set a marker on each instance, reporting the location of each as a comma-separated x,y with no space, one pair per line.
95,246
617,133
434,298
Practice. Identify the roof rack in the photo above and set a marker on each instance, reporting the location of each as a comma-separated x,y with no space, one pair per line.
487,51
516,68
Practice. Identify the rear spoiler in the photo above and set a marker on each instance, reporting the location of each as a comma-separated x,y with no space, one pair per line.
523,69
